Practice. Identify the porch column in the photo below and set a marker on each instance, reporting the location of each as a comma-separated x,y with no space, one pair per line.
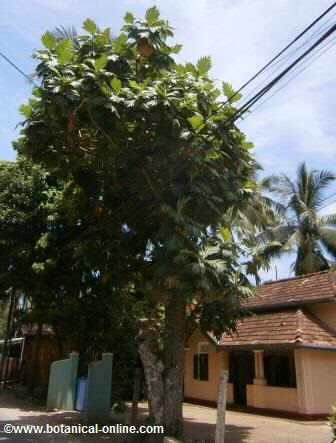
259,368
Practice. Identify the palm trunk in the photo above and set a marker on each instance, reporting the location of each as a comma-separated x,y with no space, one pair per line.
174,366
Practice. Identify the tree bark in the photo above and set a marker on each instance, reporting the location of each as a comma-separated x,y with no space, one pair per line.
35,359
153,369
174,365
5,354
136,395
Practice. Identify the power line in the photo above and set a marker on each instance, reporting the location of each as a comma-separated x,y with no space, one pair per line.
285,57
18,69
243,109
311,60
280,53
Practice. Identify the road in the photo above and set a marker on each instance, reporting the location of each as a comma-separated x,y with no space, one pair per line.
199,425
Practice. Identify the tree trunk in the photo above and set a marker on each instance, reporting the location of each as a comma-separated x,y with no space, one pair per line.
136,395
174,365
35,375
153,369
5,352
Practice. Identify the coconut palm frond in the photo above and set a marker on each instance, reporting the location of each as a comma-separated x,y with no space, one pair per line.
65,33
328,239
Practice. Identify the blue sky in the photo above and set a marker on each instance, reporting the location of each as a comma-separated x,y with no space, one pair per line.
240,35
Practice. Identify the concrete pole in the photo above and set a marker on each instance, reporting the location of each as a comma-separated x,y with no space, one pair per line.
221,406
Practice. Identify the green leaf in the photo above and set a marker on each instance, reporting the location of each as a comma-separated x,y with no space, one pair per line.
176,49
106,35
64,51
204,65
100,62
90,26
25,110
189,67
196,121
229,92
49,40
129,18
116,84
152,15
37,92
133,84
225,233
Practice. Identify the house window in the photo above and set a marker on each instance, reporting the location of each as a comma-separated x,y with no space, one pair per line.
280,370
201,362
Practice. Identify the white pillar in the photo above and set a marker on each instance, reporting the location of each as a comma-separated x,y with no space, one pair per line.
259,368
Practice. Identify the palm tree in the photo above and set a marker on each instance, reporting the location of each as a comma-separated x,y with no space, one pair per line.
305,231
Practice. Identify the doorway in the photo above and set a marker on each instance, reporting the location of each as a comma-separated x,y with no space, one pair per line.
241,374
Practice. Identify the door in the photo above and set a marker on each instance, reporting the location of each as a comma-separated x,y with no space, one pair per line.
241,374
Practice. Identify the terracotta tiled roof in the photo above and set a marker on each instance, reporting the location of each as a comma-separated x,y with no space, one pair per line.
309,288
289,327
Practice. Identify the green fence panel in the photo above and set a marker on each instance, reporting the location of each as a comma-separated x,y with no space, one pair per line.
62,383
98,402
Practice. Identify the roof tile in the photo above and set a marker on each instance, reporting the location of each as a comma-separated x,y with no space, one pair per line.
293,326
307,288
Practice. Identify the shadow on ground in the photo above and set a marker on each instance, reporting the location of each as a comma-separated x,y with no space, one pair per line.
20,411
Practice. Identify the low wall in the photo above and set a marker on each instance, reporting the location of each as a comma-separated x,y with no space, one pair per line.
271,397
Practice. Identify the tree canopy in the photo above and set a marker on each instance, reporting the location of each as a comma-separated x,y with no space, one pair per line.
149,162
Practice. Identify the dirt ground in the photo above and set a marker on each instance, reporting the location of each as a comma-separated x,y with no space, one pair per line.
199,426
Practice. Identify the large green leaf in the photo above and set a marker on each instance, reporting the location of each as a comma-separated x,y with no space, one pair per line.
90,26
196,121
25,110
204,65
129,18
49,40
100,63
64,51
116,84
152,15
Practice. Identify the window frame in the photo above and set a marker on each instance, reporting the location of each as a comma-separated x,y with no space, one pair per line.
201,362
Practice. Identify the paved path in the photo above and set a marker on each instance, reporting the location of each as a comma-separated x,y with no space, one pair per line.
251,428
199,426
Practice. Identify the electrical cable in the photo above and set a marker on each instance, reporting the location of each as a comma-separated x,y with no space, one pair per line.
18,69
245,107
311,60
307,29
274,67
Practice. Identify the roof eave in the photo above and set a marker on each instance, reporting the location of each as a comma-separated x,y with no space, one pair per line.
289,304
274,346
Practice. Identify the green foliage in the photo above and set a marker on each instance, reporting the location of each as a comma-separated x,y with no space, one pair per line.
116,84
101,62
64,50
49,40
230,94
196,121
152,15
204,65
90,26
129,18
305,232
